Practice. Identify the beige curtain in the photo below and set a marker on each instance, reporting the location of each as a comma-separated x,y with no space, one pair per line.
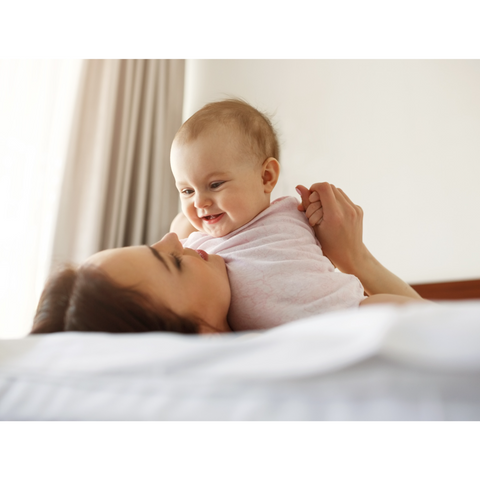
118,189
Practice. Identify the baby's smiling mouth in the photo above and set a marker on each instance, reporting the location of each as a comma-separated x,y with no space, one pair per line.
213,218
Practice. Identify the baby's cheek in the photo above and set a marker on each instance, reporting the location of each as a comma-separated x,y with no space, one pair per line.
197,223
193,219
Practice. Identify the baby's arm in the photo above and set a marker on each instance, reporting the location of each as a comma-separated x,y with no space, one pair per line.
338,225
181,226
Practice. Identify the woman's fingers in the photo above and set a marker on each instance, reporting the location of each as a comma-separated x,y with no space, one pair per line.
326,199
312,208
314,197
316,218
327,196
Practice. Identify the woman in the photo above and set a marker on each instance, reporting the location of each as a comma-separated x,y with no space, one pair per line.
164,287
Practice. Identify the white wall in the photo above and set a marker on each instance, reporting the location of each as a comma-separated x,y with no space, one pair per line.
400,137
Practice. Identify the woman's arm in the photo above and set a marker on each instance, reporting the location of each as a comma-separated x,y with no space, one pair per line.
181,226
338,225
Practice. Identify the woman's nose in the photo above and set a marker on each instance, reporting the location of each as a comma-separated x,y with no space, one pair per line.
171,241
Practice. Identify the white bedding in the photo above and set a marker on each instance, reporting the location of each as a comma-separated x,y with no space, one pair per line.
420,362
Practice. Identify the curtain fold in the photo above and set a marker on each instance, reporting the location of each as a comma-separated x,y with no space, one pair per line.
118,189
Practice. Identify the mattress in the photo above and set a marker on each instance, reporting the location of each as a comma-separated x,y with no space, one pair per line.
414,362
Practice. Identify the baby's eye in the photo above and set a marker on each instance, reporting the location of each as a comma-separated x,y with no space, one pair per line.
216,184
186,191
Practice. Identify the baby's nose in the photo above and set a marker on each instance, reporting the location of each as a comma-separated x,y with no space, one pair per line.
202,201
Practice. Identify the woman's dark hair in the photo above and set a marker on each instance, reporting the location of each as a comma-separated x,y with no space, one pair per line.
86,299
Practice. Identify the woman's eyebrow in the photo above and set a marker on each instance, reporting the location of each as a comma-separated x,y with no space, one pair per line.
157,255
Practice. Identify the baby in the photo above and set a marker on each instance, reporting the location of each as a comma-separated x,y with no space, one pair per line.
225,162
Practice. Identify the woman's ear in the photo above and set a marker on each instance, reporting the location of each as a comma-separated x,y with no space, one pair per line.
270,173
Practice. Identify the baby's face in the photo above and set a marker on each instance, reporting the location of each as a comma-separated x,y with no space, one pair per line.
220,182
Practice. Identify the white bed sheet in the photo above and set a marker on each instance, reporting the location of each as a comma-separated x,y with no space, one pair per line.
420,362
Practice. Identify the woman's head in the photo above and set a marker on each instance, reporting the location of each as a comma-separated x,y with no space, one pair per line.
162,287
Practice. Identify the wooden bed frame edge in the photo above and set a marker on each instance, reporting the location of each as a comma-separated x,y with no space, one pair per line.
459,290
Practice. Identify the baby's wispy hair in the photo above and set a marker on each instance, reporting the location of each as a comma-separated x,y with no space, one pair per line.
255,126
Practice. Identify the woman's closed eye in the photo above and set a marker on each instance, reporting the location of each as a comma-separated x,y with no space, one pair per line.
178,260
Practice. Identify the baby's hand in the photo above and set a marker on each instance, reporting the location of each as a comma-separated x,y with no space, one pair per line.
337,222
311,204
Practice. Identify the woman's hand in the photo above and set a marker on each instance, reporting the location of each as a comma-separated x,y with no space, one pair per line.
338,224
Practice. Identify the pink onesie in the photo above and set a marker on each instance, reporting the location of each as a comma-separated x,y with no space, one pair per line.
277,270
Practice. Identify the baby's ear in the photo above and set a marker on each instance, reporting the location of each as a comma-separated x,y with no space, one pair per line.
270,173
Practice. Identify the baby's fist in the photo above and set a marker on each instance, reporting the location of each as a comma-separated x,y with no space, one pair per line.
304,193
311,205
